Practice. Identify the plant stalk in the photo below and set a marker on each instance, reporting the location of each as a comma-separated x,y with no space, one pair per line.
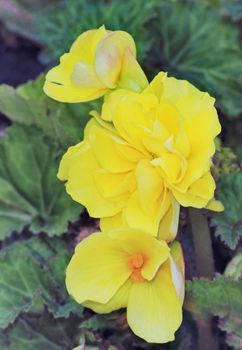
205,268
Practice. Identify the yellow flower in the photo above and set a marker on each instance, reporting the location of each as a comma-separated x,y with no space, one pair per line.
129,268
150,153
99,60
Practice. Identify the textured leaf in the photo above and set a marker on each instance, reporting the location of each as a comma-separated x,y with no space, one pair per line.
30,193
220,297
229,223
40,332
234,267
28,105
23,337
33,271
194,43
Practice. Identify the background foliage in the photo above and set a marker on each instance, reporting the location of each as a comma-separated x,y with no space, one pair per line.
40,224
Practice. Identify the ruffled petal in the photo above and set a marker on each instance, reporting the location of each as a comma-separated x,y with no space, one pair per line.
109,150
78,166
133,124
146,220
198,194
149,184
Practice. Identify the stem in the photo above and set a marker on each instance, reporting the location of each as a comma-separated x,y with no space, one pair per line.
205,268
202,243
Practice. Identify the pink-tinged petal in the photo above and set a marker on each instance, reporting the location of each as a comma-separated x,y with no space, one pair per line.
109,56
132,76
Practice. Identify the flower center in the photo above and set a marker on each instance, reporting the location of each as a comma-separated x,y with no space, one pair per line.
135,263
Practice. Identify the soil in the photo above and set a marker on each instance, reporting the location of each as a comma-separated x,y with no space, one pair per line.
18,59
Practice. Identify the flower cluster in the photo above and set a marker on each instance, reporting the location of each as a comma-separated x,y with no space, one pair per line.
146,152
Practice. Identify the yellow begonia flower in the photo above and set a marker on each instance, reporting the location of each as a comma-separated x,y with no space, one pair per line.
150,153
129,268
98,61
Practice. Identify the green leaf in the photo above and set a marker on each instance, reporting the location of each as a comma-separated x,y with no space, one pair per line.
30,193
28,105
23,337
229,223
40,332
234,267
194,43
61,25
220,297
32,274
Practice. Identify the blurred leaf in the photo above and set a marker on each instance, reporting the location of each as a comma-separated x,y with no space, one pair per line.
28,105
18,19
59,27
233,9
220,297
234,136
31,271
229,223
30,193
23,337
36,5
194,43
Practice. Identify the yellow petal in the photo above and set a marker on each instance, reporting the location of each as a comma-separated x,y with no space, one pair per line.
198,194
169,222
113,222
146,220
109,56
132,123
177,269
114,185
149,184
109,150
177,255
215,205
84,76
153,251
170,165
97,269
68,158
111,100
78,167
198,113
132,76
86,44
59,84
154,311
156,85
74,79
118,301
